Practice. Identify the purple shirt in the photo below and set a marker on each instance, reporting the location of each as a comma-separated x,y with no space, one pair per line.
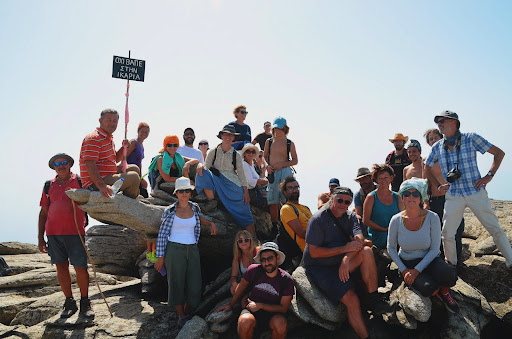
137,155
267,289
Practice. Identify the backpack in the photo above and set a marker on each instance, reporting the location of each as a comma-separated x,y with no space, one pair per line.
283,283
47,190
286,243
288,146
233,161
152,177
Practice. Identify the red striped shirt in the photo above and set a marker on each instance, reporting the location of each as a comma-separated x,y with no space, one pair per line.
98,146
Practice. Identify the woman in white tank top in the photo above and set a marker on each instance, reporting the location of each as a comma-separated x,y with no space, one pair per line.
176,248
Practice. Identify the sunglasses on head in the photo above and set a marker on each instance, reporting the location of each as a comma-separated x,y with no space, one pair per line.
346,202
415,194
58,163
203,144
251,151
188,190
172,145
240,241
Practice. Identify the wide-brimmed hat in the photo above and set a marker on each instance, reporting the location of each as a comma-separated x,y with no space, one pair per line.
362,172
399,136
182,183
227,129
249,146
61,155
270,246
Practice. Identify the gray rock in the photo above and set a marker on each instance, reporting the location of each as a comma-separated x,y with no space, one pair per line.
466,324
14,247
119,210
221,327
163,195
218,317
155,201
167,187
6,329
39,276
217,283
487,246
206,305
195,328
115,248
320,304
300,307
413,303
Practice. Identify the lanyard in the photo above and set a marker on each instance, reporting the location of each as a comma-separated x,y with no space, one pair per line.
446,154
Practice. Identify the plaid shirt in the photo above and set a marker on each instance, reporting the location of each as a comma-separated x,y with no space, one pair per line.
166,227
470,144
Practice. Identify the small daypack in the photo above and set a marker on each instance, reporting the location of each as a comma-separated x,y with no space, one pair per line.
47,190
286,243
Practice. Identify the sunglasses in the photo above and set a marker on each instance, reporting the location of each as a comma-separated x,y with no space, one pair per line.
203,144
293,188
240,241
188,190
172,145
260,156
440,121
415,194
267,259
58,163
243,112
251,151
346,202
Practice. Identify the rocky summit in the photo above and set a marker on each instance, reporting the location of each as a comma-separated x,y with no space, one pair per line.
31,299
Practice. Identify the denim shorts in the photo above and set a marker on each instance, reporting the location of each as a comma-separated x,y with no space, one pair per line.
64,247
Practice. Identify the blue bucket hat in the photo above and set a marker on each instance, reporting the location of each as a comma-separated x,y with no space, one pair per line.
279,122
415,183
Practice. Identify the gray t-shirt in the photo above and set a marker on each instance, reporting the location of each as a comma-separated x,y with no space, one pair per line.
424,243
323,232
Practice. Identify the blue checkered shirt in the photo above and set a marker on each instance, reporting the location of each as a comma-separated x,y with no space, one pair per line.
470,144
166,227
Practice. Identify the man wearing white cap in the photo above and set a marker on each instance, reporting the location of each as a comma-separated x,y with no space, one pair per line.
463,184
271,290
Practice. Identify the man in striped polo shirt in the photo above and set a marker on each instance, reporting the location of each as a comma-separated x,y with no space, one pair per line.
98,158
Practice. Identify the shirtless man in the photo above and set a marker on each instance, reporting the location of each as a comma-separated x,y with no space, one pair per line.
281,155
323,198
415,169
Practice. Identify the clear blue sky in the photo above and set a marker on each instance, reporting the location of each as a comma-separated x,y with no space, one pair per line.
346,75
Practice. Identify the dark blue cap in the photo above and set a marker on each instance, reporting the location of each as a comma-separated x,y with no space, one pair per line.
334,182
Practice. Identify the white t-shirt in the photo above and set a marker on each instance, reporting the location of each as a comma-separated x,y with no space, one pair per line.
251,175
182,231
191,152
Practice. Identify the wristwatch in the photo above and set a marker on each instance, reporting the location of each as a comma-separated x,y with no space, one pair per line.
490,174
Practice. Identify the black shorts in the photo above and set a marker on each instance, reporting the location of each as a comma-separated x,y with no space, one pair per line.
64,247
262,318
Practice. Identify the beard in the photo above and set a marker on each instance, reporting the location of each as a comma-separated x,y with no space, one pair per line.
294,196
270,268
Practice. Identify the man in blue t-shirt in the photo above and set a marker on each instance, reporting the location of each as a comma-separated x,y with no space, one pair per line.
271,290
463,184
335,248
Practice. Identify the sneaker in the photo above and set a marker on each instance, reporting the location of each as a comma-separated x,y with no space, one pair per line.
380,307
85,308
182,321
450,304
69,308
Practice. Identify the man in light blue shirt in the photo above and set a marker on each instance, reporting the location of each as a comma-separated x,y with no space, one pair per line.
463,184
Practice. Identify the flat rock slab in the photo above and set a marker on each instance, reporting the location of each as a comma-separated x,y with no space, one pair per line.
193,329
14,247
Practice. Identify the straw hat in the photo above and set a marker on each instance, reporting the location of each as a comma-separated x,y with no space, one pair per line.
399,136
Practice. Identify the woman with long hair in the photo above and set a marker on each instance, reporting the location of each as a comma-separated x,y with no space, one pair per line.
244,250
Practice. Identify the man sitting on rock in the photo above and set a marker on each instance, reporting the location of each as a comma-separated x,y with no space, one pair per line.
271,290
335,248
98,158
294,216
323,198
57,219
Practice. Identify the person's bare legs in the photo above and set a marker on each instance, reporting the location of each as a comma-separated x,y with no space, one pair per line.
355,317
246,325
365,260
64,278
209,194
180,310
278,325
274,212
82,279
251,230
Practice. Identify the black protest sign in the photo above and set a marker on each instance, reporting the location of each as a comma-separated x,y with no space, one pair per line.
129,69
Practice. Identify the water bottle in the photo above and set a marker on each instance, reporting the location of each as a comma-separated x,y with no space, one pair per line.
163,271
117,186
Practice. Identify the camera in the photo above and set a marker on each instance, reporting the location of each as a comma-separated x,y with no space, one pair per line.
453,175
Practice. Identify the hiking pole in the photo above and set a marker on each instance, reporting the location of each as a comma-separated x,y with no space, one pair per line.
126,120
90,259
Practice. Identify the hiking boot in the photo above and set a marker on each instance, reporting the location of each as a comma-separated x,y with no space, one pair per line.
379,307
69,308
450,303
85,308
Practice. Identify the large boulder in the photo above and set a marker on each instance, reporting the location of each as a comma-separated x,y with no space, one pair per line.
14,247
115,248
412,302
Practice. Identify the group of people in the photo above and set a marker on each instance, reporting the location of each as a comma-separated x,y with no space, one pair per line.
409,208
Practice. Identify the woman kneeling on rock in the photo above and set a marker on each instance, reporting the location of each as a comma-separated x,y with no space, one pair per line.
418,233
223,174
177,249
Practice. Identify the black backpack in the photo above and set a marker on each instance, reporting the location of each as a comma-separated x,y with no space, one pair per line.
286,243
47,189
